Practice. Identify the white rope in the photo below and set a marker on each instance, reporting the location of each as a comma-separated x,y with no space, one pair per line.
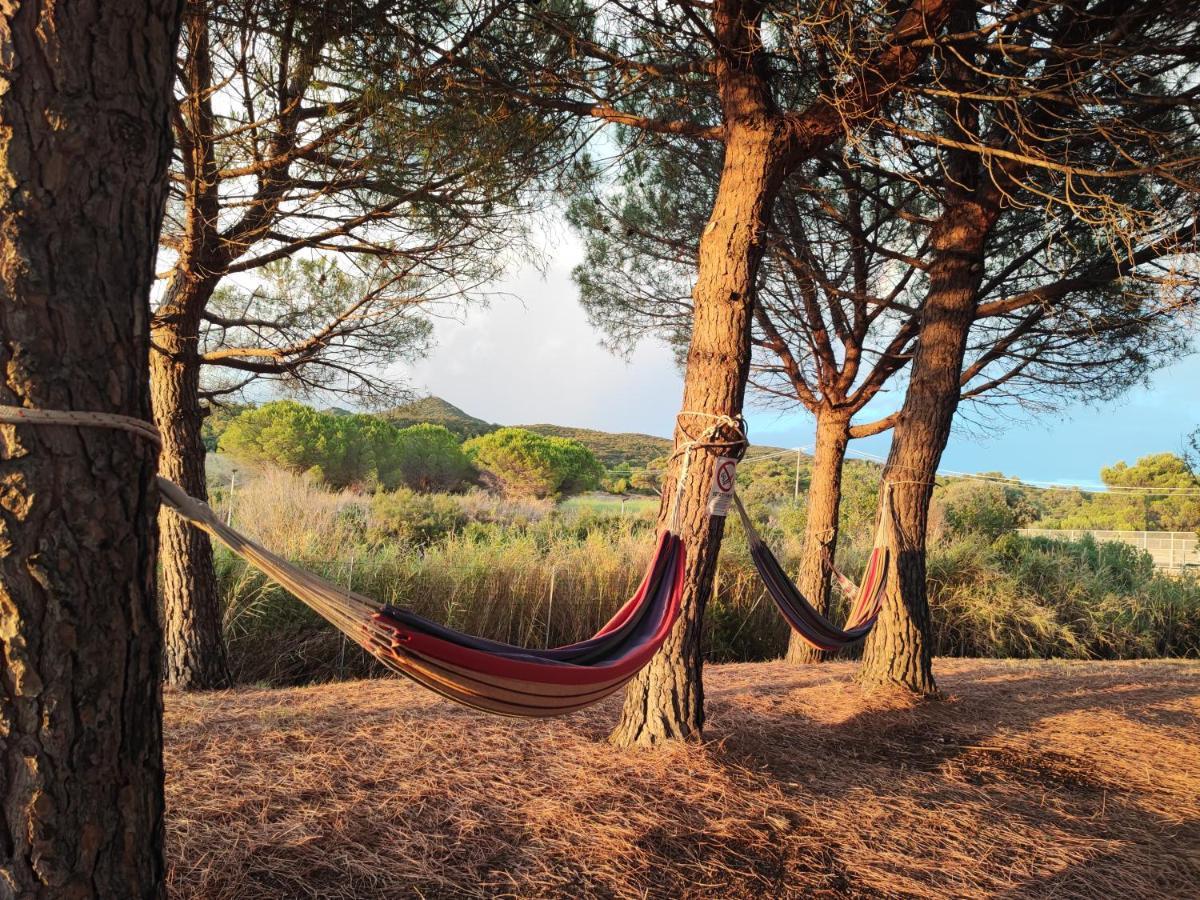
677,502
705,440
19,415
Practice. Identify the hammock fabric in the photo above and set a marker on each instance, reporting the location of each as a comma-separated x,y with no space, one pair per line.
487,675
813,627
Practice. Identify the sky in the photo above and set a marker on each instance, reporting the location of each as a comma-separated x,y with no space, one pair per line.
531,357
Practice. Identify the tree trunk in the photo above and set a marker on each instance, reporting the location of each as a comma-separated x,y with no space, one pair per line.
84,147
898,649
821,523
665,701
194,646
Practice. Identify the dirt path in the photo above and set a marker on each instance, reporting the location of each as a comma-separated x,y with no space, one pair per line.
1031,779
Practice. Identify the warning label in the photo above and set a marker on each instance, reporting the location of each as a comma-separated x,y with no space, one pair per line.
724,478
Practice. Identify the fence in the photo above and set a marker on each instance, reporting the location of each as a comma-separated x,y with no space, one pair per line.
1173,550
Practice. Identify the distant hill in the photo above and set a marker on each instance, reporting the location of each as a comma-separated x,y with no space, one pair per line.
437,411
635,450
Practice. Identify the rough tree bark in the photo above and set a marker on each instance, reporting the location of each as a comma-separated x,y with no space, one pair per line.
897,652
821,522
84,148
666,699
194,646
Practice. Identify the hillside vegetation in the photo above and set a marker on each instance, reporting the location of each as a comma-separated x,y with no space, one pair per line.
632,463
436,411
622,449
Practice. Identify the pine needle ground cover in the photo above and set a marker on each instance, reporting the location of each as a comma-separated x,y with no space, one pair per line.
1031,779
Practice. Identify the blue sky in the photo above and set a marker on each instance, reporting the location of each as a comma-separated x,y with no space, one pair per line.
531,357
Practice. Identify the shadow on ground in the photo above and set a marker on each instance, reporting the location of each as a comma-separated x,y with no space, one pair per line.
1031,779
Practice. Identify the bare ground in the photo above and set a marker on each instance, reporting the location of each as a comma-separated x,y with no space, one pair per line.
1031,779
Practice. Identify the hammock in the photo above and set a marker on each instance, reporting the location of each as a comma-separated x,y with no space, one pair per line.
487,675
813,627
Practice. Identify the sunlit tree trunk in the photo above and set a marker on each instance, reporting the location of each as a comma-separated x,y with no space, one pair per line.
898,651
84,148
665,701
821,522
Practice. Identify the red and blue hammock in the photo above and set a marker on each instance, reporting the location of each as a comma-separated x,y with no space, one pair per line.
488,675
502,678
517,681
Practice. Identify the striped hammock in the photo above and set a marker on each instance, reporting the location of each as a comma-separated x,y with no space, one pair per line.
814,628
487,675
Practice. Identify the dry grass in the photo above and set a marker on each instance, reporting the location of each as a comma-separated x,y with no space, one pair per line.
1032,779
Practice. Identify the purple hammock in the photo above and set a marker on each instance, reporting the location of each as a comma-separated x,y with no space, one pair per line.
814,628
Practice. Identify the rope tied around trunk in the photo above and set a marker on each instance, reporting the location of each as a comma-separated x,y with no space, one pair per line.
20,415
705,440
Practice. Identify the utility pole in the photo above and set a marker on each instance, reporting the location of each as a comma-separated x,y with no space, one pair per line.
342,651
232,489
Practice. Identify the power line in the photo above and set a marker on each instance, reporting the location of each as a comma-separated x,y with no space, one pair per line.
775,454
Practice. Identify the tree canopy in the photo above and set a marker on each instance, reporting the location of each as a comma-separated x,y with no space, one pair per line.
526,464
344,450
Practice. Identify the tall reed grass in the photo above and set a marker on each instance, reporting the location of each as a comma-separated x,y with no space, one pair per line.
537,575
1034,597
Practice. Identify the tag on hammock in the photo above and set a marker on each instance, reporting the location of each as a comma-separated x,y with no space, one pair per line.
724,479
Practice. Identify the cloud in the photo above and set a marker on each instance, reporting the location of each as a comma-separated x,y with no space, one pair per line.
532,357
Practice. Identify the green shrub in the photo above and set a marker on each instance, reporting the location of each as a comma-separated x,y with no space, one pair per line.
345,450
987,509
525,464
430,458
1033,597
413,518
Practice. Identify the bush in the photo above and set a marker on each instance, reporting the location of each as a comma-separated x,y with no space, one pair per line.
1035,597
404,515
525,464
283,433
987,509
430,458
